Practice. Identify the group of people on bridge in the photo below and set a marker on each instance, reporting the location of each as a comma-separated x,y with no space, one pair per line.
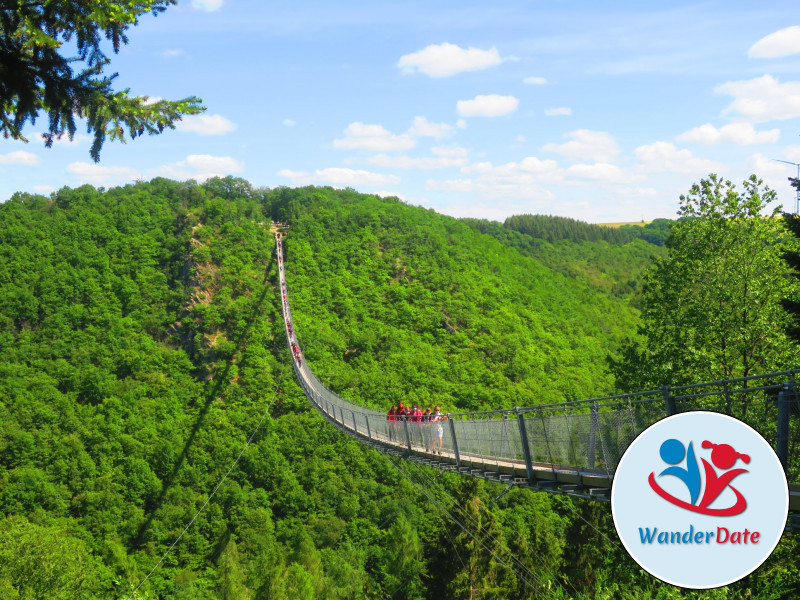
427,425
298,355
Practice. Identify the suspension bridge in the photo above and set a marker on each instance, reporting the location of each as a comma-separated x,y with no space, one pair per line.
569,448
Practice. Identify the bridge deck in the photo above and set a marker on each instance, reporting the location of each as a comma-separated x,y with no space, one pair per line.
505,454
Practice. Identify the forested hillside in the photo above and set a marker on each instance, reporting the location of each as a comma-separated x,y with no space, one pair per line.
141,346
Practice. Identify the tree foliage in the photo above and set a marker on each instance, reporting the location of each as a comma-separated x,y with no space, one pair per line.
712,306
141,341
37,73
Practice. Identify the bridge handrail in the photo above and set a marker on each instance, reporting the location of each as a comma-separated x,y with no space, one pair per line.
590,435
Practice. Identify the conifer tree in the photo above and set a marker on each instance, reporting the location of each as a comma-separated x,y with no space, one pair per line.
36,77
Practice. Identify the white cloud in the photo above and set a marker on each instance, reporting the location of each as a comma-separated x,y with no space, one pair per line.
43,189
445,59
781,43
664,157
207,5
457,186
65,141
452,152
19,157
423,127
341,177
492,105
354,177
206,124
200,167
299,178
423,163
604,172
535,80
741,134
461,124
373,137
104,176
560,111
763,98
288,123
584,144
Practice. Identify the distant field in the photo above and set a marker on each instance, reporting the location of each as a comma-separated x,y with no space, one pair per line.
641,223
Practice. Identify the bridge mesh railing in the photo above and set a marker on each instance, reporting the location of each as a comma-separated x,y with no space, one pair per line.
588,436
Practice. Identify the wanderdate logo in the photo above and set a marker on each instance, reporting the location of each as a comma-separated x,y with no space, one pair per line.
699,500
723,457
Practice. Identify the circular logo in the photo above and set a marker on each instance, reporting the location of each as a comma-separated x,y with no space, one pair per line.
699,500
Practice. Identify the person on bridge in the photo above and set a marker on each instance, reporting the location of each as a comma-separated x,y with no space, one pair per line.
391,418
415,416
436,421
426,429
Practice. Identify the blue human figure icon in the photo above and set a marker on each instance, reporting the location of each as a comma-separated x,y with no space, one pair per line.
672,453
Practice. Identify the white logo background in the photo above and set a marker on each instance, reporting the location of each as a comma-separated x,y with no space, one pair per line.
635,505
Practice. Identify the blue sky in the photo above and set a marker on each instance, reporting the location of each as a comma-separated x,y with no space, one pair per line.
597,111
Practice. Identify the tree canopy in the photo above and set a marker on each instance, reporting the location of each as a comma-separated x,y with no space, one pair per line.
37,74
712,306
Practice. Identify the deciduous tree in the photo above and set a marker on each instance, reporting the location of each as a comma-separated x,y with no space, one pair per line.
712,306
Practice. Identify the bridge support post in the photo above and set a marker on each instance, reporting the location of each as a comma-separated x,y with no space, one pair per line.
782,450
369,432
669,401
455,441
355,426
591,447
408,435
526,449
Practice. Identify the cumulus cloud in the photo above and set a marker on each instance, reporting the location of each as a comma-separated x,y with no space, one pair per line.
65,141
586,145
424,163
423,127
763,98
444,60
104,176
535,80
207,5
373,137
781,43
341,177
492,105
19,157
664,157
741,134
558,112
206,124
604,172
451,152
354,177
200,167
288,123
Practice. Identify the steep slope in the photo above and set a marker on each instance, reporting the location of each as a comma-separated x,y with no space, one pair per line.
395,302
141,345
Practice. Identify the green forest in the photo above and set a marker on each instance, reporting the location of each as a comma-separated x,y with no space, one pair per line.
142,344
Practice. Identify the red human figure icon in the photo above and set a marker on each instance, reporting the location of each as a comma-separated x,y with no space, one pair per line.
724,457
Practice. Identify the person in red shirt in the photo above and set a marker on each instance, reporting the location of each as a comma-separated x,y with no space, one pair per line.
391,417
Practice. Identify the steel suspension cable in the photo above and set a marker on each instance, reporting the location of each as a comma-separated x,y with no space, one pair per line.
481,529
466,530
214,491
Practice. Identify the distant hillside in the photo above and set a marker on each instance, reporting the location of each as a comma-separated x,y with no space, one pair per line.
399,302
614,267
551,229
